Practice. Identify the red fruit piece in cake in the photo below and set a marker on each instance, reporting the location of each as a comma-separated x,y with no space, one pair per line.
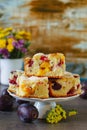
13,81
30,63
67,85
44,58
56,86
61,62
71,91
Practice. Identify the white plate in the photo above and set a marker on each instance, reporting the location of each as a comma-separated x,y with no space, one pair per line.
45,100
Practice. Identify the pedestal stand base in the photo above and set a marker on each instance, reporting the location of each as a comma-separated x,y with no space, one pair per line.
43,108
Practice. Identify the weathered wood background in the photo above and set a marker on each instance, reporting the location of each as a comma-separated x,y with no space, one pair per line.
56,25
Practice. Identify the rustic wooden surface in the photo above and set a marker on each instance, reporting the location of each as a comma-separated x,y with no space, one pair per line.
10,120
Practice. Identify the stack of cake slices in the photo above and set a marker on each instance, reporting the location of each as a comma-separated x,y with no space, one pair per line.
44,76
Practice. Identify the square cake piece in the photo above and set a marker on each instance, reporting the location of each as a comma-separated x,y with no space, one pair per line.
68,85
13,84
33,87
50,65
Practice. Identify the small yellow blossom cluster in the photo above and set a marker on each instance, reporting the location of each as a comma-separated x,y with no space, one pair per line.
11,40
72,113
23,35
6,42
57,114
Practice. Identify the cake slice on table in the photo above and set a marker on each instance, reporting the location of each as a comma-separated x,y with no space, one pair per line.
50,65
33,87
13,84
68,85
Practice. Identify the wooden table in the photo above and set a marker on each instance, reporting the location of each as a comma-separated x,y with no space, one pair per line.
10,120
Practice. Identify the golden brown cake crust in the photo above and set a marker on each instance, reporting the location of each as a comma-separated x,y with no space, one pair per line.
52,94
51,77
50,65
68,85
33,87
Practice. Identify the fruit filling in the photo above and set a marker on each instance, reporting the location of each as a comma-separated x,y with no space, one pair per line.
76,76
60,63
78,86
44,58
71,91
56,86
30,63
13,81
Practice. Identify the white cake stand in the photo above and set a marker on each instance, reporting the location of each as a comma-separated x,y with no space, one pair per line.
44,105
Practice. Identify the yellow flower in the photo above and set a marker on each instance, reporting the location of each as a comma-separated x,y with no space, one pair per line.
10,46
2,35
23,35
7,30
18,36
56,114
1,29
2,43
72,113
6,34
28,36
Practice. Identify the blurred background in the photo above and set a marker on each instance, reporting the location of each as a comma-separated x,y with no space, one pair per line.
56,26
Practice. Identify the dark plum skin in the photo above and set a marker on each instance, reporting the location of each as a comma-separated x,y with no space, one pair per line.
6,103
56,86
84,94
4,92
84,88
19,101
27,112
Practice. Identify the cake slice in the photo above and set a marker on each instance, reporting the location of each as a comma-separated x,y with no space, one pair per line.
34,87
68,85
13,84
50,65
